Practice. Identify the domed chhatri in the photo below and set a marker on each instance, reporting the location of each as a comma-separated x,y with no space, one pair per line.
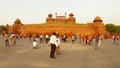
71,19
71,14
50,15
17,21
49,19
97,19
17,26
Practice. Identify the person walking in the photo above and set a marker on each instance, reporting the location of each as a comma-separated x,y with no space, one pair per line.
6,37
46,39
41,38
30,37
58,42
113,37
97,42
115,40
35,44
80,38
64,38
73,38
13,40
53,44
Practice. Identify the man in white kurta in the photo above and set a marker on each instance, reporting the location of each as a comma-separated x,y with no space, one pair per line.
53,43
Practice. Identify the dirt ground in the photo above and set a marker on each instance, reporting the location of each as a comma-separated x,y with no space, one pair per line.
72,55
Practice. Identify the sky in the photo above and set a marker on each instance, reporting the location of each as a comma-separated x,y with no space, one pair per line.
36,11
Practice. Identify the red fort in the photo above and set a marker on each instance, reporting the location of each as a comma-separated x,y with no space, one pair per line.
61,25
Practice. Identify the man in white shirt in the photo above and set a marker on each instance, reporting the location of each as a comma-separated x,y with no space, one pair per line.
113,37
73,38
53,44
46,38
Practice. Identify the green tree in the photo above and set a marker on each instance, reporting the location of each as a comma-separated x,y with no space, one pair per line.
112,28
2,28
118,29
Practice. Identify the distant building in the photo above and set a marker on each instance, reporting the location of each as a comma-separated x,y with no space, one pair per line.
61,19
69,26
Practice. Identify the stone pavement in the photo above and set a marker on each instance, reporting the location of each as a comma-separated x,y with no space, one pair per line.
72,55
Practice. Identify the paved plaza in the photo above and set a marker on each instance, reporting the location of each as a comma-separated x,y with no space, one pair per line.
72,55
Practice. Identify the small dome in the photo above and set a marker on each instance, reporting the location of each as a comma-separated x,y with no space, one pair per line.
17,21
97,18
50,15
71,14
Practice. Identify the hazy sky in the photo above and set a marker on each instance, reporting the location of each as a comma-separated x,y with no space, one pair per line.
36,11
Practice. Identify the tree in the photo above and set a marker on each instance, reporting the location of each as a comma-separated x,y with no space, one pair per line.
112,28
118,29
2,28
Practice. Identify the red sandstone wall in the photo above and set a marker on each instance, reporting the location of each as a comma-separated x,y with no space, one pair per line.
69,29
84,30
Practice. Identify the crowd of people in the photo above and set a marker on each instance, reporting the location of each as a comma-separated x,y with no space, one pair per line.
54,40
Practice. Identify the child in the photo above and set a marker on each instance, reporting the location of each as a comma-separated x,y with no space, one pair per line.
35,44
13,40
